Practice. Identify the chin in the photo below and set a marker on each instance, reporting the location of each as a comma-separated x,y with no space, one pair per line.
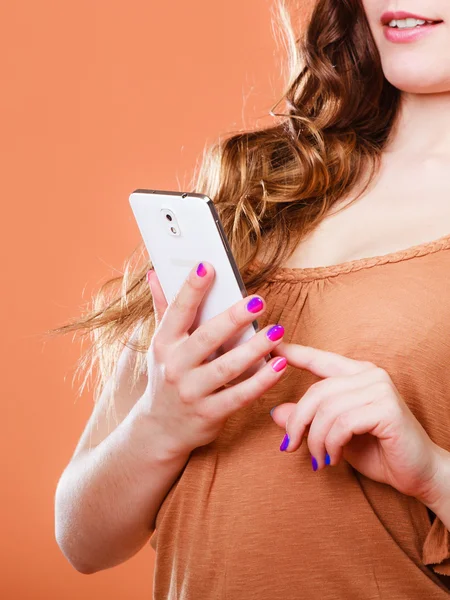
417,79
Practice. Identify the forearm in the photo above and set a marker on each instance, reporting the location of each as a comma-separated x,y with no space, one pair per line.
108,497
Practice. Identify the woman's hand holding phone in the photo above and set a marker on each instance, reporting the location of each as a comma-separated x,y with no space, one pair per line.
185,395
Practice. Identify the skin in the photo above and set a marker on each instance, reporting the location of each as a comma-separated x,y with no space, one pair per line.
393,211
355,412
109,494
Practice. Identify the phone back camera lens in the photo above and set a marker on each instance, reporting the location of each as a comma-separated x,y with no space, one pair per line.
173,230
169,217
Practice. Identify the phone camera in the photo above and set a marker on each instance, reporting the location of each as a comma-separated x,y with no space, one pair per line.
171,225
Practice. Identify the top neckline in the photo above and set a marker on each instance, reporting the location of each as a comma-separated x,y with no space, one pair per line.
312,273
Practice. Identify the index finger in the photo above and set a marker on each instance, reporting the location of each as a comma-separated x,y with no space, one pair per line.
320,362
181,312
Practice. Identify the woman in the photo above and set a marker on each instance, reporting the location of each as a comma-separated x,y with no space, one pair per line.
357,169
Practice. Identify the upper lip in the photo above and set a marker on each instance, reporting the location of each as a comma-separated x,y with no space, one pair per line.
389,16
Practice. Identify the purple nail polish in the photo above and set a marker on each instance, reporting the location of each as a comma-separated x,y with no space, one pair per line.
315,466
255,305
275,333
327,459
201,271
284,443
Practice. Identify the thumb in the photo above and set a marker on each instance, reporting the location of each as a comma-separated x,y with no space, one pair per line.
159,300
281,413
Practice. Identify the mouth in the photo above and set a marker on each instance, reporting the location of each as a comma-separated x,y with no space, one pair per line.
404,20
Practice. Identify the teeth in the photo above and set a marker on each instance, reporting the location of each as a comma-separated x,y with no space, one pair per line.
407,23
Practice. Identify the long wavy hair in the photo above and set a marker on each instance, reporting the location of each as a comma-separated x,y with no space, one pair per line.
271,186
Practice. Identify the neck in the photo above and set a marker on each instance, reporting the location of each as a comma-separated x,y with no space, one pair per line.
423,125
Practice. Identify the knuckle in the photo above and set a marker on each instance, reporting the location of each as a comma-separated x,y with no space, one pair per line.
240,398
384,388
311,443
382,375
157,348
187,395
204,413
224,368
290,422
331,445
368,364
317,389
204,337
180,305
343,421
171,373
256,387
328,442
324,409
233,315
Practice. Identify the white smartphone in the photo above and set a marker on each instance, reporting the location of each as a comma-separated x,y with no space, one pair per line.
181,230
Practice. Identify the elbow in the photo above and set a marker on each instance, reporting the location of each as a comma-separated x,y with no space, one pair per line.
72,556
67,530
68,538
84,569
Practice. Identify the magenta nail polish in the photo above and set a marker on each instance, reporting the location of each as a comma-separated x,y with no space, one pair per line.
255,305
201,270
275,333
279,364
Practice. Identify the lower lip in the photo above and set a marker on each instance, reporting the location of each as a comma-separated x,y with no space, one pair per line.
405,36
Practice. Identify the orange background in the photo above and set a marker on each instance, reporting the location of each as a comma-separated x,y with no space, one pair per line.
97,98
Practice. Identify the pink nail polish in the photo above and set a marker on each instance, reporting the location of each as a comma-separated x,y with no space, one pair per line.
148,275
275,333
201,270
279,364
255,305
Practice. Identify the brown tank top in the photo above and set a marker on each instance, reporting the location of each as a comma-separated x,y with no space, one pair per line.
245,521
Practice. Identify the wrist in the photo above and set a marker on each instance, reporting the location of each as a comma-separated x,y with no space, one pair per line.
152,438
437,498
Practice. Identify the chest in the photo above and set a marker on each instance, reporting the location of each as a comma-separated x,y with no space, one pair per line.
398,212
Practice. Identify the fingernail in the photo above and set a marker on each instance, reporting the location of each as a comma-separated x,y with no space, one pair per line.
327,459
275,333
271,411
148,275
284,443
255,305
279,364
201,270
315,466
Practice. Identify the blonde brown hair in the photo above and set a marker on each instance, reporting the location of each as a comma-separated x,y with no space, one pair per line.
272,185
